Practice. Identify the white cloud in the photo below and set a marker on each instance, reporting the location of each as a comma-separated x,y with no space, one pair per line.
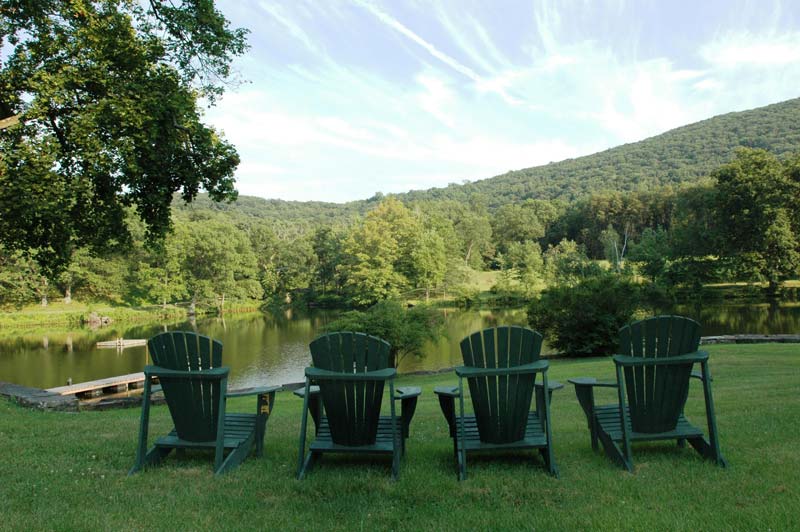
433,50
750,50
435,99
286,21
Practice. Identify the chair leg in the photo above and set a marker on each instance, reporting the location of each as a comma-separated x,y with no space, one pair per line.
462,464
152,457
308,464
264,409
302,465
396,462
236,456
713,451
549,458
462,436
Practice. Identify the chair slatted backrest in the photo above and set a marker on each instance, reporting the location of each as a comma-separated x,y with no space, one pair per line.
501,404
352,407
193,404
657,394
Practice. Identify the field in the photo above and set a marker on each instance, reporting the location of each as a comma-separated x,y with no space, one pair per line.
68,471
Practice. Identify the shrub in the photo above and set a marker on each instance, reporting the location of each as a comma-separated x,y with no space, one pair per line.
405,329
584,319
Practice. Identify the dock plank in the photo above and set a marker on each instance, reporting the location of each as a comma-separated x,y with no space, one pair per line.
98,384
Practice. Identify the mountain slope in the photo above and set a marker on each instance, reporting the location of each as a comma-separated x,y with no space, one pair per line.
683,155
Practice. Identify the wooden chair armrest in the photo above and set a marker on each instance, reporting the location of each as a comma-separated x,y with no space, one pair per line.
691,358
407,392
377,375
534,367
592,382
699,375
204,374
551,386
301,392
256,390
446,391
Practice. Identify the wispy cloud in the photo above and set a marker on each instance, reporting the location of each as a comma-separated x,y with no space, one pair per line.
745,49
435,52
352,97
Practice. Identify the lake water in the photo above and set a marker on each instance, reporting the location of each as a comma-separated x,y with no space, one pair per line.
273,349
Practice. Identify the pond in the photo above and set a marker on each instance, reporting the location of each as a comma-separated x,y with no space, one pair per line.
273,349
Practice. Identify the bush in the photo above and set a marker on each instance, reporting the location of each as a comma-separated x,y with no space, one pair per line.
405,329
584,319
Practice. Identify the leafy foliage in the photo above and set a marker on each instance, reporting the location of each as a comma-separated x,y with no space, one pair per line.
107,96
684,155
406,330
583,319
757,203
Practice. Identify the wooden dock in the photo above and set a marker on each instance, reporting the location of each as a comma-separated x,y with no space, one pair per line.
108,385
121,343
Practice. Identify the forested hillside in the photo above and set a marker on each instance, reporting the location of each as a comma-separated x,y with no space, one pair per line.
683,155
685,207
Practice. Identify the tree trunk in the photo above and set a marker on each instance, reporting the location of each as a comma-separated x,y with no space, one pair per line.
427,293
772,288
222,304
193,306
469,252
68,295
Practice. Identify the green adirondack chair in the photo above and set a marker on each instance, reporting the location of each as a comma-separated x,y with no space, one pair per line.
347,384
654,365
500,366
190,372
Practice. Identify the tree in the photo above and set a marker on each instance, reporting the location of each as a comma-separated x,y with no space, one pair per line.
106,98
566,263
20,280
525,258
430,261
475,230
584,319
160,275
218,262
653,252
94,277
327,245
520,222
378,253
757,203
406,330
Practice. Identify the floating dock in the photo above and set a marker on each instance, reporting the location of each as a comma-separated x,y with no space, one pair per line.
121,343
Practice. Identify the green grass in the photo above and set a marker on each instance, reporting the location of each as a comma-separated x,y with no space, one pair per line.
59,314
68,471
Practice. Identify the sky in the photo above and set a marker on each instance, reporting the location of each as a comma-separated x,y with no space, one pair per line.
340,99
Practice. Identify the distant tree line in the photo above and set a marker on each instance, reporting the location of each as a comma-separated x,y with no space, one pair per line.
742,223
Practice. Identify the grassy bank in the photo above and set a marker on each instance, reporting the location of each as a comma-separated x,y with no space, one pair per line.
58,314
67,471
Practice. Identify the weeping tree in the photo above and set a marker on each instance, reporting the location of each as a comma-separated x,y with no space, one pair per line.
99,112
406,329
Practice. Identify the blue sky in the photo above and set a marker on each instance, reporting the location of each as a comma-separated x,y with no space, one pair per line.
345,98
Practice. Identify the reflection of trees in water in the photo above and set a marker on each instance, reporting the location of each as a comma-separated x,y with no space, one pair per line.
259,346
446,351
740,318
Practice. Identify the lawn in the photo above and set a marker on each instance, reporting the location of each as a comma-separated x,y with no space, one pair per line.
68,471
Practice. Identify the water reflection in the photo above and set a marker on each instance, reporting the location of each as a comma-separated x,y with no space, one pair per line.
273,349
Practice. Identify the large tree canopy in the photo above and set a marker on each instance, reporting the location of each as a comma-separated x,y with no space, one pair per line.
106,97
